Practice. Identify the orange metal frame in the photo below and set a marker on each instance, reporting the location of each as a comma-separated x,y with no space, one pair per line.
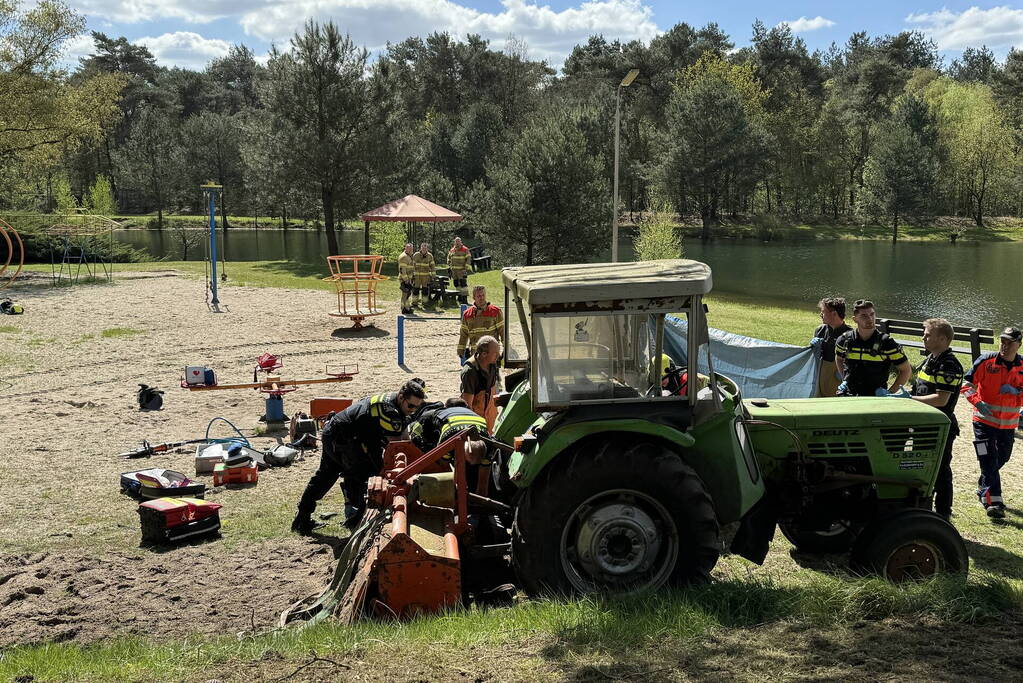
355,277
406,579
14,246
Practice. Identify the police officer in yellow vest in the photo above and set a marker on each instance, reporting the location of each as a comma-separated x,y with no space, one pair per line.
352,444
424,267
438,422
459,264
406,271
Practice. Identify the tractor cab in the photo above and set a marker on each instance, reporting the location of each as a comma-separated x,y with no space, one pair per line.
593,334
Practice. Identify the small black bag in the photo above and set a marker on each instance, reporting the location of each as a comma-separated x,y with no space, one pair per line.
150,398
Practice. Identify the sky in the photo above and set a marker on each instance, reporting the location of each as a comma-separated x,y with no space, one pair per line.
190,33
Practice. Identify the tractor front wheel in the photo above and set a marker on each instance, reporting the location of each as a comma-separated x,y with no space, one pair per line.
624,519
910,545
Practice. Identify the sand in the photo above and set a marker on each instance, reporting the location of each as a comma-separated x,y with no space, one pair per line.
71,565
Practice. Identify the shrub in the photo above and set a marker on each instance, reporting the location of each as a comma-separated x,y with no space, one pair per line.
658,237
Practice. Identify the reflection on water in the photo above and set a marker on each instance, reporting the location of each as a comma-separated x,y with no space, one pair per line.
968,283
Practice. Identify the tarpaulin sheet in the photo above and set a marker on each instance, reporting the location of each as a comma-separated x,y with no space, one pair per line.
762,369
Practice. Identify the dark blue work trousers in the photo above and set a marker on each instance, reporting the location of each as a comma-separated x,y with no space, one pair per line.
999,450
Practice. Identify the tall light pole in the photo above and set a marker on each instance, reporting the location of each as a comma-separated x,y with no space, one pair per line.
626,82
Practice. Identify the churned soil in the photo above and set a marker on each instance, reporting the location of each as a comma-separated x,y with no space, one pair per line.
71,563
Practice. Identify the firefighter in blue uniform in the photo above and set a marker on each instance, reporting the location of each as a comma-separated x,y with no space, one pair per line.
352,445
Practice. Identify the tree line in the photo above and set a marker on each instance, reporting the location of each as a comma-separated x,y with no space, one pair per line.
877,129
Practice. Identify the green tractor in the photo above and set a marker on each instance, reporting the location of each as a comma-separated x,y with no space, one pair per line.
621,485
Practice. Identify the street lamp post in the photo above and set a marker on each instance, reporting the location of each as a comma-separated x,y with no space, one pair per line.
626,82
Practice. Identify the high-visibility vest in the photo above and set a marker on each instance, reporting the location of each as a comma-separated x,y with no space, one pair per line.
458,261
986,378
424,267
382,407
405,268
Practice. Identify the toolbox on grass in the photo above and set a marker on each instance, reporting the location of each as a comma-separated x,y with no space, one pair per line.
224,475
158,482
166,520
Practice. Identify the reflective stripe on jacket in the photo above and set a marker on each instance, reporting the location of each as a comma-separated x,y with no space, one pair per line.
458,261
405,268
477,323
424,267
987,377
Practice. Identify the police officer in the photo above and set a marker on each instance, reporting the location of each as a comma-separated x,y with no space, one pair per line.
406,274
424,266
479,320
352,444
864,357
994,386
938,379
832,310
439,422
459,263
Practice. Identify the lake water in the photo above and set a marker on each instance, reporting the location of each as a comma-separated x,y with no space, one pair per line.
968,283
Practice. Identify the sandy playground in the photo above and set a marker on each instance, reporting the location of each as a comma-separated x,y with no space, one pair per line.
71,565
70,562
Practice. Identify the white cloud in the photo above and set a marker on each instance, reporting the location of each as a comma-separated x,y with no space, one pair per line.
802,24
185,49
994,27
135,11
549,34
81,45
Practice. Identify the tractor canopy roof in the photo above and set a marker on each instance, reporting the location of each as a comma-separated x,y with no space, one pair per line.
607,286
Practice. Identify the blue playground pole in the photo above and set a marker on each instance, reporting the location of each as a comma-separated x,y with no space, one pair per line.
401,340
401,331
212,191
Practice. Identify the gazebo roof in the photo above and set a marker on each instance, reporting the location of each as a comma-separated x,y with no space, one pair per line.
411,208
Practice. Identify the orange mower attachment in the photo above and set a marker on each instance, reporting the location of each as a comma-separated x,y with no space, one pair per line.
405,558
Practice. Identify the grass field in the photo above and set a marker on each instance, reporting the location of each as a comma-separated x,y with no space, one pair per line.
795,618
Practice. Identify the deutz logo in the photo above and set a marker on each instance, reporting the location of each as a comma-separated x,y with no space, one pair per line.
835,432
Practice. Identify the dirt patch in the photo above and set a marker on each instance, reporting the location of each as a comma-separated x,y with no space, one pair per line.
59,597
70,562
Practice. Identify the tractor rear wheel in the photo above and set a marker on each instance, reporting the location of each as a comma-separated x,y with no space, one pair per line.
629,517
837,538
910,545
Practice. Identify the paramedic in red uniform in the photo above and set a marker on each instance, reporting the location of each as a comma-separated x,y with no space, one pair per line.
995,388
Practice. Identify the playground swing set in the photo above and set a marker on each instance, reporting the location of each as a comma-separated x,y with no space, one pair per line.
213,192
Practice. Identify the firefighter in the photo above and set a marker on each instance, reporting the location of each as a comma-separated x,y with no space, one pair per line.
482,318
864,357
994,386
481,378
459,265
938,379
438,422
352,444
424,267
832,310
406,271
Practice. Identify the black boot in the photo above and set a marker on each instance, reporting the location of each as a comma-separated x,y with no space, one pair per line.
304,524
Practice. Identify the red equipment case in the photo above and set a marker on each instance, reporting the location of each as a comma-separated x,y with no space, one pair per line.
167,520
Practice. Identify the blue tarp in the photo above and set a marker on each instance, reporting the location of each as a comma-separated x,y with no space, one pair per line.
762,369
